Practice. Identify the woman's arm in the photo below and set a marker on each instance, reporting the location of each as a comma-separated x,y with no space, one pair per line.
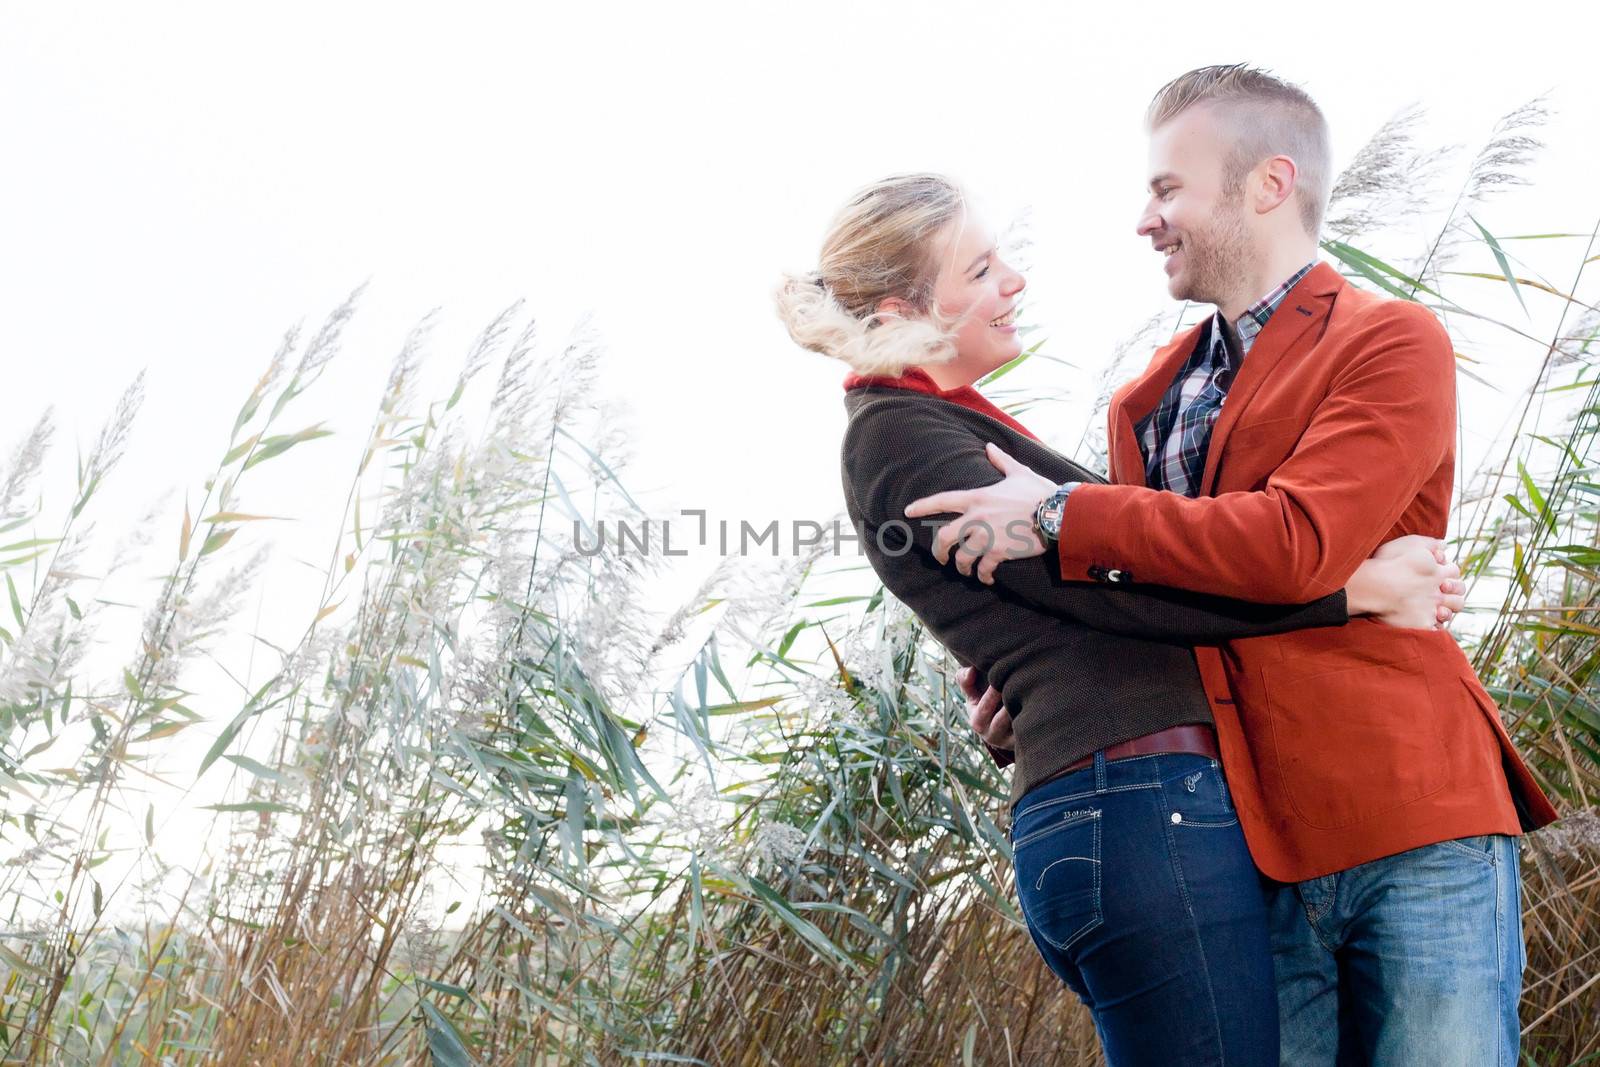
898,453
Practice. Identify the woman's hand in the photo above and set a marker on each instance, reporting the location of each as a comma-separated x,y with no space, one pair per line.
984,710
1408,582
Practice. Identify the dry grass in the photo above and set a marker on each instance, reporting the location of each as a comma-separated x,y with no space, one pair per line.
790,858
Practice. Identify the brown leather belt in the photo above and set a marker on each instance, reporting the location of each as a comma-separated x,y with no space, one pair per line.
1193,739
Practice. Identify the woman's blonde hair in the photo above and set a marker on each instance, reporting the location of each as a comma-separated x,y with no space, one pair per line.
882,244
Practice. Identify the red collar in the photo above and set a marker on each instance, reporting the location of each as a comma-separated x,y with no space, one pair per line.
919,381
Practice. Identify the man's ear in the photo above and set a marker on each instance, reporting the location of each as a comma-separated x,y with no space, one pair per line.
1275,182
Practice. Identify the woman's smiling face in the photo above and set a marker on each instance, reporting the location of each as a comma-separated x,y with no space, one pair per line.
979,290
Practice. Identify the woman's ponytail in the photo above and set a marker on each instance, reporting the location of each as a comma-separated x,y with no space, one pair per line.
881,246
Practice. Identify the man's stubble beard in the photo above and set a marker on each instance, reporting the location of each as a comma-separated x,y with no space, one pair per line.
1225,249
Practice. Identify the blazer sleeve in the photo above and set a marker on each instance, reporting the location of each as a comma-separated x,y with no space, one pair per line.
902,452
1384,429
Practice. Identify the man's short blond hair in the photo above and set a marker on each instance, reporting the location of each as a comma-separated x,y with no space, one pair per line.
1265,116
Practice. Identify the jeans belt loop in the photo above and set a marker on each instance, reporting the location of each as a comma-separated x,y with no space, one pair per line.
1100,771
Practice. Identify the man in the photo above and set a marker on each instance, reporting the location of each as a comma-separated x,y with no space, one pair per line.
1262,455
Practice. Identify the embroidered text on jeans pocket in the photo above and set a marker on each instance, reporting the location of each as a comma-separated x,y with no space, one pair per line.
1200,798
1058,877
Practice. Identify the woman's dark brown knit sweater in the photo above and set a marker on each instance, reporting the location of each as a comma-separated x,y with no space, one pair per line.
1080,665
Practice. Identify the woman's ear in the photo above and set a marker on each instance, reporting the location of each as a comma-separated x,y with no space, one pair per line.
893,307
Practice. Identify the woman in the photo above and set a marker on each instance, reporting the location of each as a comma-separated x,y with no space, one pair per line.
1132,872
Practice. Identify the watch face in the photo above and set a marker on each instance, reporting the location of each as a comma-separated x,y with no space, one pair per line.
1048,516
1053,509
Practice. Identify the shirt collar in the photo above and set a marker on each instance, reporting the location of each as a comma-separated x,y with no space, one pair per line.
1256,316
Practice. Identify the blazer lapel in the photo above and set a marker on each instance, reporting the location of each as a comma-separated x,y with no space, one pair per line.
1137,399
1293,329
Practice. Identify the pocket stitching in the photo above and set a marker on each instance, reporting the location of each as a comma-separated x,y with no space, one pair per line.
1202,823
1486,857
1289,790
1070,818
1221,782
1098,915
1017,816
1259,431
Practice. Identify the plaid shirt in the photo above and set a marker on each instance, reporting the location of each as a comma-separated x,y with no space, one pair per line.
1175,436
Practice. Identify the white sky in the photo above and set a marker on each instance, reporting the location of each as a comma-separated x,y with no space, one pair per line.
180,182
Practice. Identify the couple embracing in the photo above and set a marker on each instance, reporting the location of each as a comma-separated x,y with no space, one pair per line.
1262,811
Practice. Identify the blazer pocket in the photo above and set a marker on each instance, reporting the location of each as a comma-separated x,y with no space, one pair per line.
1255,451
1355,742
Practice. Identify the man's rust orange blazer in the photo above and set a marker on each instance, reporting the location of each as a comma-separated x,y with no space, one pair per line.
1348,743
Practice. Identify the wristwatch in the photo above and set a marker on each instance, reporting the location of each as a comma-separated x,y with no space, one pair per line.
1047,516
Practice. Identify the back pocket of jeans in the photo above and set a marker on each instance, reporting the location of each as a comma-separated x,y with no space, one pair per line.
1058,877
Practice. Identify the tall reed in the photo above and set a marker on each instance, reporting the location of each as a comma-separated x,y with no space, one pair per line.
483,809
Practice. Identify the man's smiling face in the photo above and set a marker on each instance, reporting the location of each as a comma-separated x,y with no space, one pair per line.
1195,217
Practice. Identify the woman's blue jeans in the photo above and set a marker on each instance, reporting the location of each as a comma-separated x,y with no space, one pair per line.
1137,887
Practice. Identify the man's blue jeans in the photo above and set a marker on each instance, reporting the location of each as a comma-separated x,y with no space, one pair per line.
1413,959
1138,889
